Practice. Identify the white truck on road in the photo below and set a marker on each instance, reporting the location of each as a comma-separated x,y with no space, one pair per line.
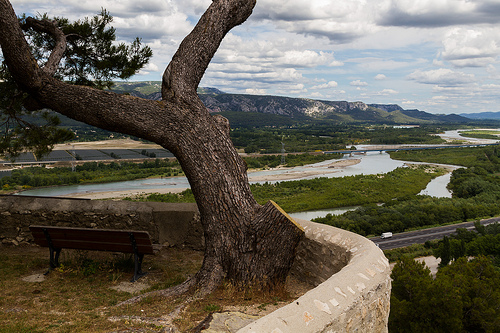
386,235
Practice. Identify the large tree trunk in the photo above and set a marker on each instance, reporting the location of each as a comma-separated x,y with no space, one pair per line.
246,243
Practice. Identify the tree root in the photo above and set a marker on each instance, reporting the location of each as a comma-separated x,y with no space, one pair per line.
200,285
178,290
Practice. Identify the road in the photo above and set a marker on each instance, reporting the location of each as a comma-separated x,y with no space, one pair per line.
388,148
421,236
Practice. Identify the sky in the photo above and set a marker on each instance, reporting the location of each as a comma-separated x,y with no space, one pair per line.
439,56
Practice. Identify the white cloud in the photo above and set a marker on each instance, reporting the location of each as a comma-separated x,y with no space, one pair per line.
329,85
358,83
442,76
316,95
406,103
252,91
305,58
471,47
339,21
380,77
436,13
386,92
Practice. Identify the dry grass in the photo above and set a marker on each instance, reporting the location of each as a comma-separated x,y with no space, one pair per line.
78,297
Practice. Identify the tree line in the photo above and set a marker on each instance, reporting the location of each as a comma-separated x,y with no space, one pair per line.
462,297
327,136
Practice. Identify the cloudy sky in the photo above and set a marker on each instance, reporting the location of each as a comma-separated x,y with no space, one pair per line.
439,56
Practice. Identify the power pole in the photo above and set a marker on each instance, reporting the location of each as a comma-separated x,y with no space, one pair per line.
282,153
73,161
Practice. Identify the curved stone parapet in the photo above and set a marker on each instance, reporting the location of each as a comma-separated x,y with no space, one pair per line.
353,286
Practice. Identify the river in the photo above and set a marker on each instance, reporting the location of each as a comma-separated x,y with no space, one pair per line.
370,163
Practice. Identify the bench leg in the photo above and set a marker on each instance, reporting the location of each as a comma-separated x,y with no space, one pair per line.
54,253
138,273
54,259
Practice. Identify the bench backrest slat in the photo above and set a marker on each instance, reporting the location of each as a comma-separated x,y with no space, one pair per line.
93,239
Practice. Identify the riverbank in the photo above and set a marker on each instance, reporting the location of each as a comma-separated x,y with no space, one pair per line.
108,144
313,170
293,173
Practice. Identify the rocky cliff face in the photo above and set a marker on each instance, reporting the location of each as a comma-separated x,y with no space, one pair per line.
217,101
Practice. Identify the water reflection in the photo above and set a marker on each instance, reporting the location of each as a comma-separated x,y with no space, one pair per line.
309,215
437,187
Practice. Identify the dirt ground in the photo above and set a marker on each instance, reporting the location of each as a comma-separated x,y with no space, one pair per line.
82,295
108,144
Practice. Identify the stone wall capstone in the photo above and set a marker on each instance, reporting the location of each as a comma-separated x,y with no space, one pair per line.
173,224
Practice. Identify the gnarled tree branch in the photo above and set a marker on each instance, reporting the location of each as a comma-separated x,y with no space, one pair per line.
50,28
22,66
183,74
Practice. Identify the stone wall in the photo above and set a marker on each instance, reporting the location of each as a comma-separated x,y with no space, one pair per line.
170,224
351,274
353,291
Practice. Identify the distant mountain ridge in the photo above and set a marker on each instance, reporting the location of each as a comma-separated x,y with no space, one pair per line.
342,111
482,115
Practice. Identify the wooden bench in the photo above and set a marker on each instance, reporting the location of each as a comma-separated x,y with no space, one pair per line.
126,241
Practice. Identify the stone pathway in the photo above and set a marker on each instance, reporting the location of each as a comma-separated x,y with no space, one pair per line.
130,287
34,278
228,322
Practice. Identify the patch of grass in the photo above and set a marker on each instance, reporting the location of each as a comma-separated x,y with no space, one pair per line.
229,298
77,297
212,308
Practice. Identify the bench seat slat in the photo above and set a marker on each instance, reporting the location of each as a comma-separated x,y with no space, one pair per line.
87,232
99,236
93,239
96,246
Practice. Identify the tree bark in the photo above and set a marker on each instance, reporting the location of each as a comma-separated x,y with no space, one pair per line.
246,243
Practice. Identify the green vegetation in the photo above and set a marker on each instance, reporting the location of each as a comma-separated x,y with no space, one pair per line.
411,252
270,141
485,241
463,297
321,193
329,136
92,172
92,57
412,212
484,157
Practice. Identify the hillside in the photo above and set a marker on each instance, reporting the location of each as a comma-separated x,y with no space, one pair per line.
297,108
482,115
